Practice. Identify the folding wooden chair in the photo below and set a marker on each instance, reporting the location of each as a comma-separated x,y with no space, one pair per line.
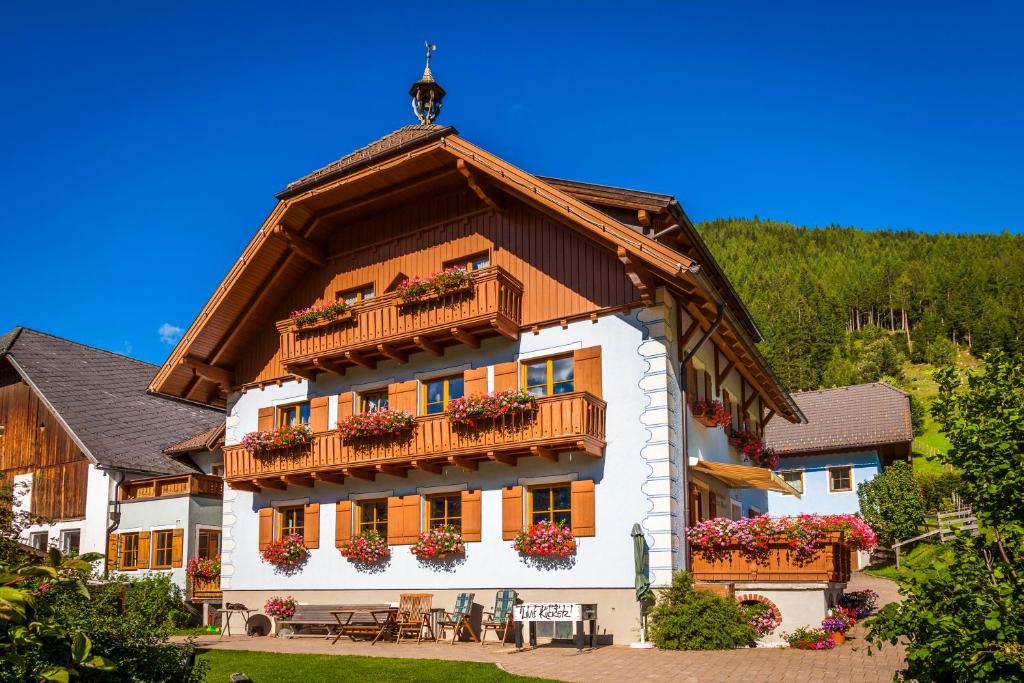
500,618
458,618
414,615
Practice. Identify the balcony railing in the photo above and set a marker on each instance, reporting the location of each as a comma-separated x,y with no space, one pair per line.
180,485
204,589
387,327
830,562
574,421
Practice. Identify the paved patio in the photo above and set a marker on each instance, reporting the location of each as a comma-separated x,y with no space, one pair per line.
620,663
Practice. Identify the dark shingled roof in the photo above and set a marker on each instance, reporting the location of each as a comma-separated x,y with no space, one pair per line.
208,439
863,415
102,398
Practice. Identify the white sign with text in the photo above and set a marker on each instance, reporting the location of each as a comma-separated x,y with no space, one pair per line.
548,611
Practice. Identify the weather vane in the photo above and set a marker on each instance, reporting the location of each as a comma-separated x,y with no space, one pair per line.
426,93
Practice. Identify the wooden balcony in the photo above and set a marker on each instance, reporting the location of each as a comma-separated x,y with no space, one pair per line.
564,422
178,485
388,327
831,562
201,590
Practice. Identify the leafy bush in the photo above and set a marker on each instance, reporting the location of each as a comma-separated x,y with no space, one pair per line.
689,619
940,351
937,489
892,504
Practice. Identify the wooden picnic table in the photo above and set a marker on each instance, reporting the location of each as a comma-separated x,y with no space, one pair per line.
381,621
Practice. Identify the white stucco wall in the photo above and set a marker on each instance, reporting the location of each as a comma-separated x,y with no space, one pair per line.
817,498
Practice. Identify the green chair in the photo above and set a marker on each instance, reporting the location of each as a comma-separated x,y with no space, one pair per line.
459,618
500,618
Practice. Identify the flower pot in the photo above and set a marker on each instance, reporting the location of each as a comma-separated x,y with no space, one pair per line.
838,637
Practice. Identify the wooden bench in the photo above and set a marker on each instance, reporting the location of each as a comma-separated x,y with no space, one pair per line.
310,618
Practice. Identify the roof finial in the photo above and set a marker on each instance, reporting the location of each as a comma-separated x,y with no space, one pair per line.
426,93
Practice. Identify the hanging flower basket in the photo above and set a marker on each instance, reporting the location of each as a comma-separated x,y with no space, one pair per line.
287,553
753,450
280,608
317,314
449,281
711,413
545,539
439,543
467,410
367,548
285,436
203,568
376,423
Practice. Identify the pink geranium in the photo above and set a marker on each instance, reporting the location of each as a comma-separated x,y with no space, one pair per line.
286,553
375,423
717,537
713,410
317,312
465,410
439,543
285,436
545,539
443,282
367,548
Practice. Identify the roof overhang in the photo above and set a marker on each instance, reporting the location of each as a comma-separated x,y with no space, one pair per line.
746,477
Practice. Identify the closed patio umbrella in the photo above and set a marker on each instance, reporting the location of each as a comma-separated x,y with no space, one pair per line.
640,582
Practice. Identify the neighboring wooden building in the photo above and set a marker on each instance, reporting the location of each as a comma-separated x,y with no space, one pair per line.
82,442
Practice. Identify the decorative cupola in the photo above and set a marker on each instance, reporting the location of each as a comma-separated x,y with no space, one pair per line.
426,93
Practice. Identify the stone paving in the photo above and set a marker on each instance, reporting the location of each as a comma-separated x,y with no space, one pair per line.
850,662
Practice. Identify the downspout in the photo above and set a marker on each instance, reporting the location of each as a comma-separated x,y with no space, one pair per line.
113,509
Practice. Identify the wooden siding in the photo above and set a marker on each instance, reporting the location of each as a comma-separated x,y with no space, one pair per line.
32,440
572,421
562,272
187,484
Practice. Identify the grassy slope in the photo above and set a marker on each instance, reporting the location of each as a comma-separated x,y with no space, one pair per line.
914,563
268,667
919,380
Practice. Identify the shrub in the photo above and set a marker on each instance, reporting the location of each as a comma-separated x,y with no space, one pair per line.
940,351
689,619
937,489
892,504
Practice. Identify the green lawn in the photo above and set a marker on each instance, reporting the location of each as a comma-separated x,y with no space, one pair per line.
914,563
919,381
269,667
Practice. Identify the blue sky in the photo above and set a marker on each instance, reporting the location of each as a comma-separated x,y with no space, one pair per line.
142,143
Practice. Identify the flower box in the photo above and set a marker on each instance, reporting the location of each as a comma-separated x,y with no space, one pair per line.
545,539
753,449
711,413
318,315
203,568
439,543
346,317
288,553
379,423
416,290
468,410
366,548
283,437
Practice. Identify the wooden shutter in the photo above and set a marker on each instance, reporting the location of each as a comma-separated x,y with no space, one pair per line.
342,522
694,504
311,526
112,551
403,520
474,381
583,508
471,515
511,512
143,561
708,395
691,382
712,505
266,527
344,405
506,376
396,535
402,396
318,413
586,367
266,419
121,554
177,540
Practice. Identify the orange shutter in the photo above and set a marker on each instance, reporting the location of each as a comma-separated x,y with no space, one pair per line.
586,365
266,419
342,522
143,562
396,535
402,396
122,553
266,527
311,526
474,381
506,376
318,410
471,515
583,508
511,512
177,540
344,405
410,518
112,551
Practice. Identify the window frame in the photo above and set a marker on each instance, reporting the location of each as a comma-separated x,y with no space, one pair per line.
279,521
64,534
429,499
378,525
45,535
833,489
360,292
797,470
550,512
446,394
381,392
281,410
202,549
469,261
122,563
549,386
155,537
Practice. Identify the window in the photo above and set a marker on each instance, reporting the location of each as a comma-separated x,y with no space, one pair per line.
162,543
129,551
71,540
437,393
446,509
356,295
840,479
373,516
217,470
548,376
474,262
209,544
551,503
291,520
40,540
294,414
794,478
372,401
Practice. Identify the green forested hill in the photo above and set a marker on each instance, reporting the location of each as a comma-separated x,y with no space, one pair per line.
842,305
